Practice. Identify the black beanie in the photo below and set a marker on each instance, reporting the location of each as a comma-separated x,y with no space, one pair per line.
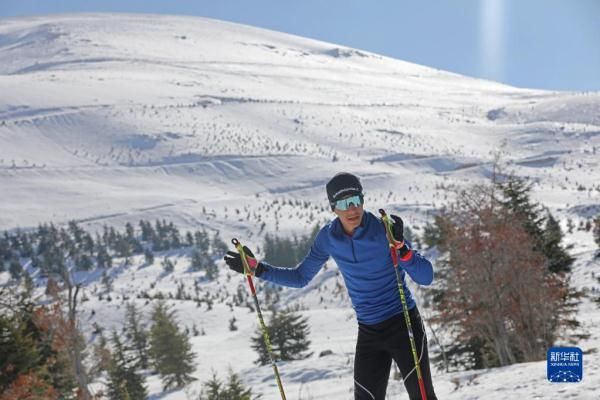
343,185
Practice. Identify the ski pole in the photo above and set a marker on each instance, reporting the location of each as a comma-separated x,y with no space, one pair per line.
388,222
248,271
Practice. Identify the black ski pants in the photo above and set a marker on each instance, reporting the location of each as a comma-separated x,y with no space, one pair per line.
378,345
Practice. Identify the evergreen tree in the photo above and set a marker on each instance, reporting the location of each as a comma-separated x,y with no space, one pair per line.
219,247
103,258
170,349
16,269
31,354
212,272
75,231
19,351
433,233
304,244
288,333
232,326
202,241
106,282
214,389
168,265
517,199
280,251
123,247
288,252
26,250
189,239
28,284
84,263
557,258
123,381
597,231
198,260
174,237
102,356
147,231
148,256
88,244
136,334
544,230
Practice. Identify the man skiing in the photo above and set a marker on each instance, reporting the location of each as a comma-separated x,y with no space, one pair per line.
357,241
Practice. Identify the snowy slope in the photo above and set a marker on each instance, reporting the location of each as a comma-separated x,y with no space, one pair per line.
109,118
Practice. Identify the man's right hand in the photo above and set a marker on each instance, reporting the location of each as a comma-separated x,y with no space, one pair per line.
234,262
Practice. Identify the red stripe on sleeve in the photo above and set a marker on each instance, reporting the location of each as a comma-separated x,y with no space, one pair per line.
407,256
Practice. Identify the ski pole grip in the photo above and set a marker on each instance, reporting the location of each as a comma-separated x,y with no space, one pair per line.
235,242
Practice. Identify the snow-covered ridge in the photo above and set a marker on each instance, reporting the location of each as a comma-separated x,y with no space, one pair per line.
107,114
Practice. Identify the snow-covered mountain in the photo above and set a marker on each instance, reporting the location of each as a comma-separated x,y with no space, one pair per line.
109,118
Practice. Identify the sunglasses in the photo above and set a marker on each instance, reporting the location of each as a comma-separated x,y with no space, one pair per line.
344,204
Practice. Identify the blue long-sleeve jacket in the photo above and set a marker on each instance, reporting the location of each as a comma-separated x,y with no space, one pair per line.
366,265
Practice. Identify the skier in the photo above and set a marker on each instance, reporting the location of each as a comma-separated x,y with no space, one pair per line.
357,241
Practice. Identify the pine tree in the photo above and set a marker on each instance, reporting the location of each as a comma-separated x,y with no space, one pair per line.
433,233
202,241
219,247
103,259
84,263
596,231
517,199
102,356
236,390
28,284
557,258
16,269
147,231
214,389
32,354
212,272
288,333
168,265
189,239
544,230
148,256
124,383
170,349
18,350
136,334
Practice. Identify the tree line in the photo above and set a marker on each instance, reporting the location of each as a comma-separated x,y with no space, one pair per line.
54,249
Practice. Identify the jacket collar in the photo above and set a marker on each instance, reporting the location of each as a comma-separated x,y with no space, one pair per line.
338,229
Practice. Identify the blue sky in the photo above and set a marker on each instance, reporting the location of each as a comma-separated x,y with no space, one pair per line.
548,44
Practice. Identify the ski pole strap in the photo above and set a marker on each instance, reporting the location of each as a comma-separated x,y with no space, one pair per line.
248,262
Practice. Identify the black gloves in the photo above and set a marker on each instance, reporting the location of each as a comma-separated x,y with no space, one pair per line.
398,233
234,261
398,228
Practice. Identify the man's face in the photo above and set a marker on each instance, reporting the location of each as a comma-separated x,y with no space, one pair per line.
351,217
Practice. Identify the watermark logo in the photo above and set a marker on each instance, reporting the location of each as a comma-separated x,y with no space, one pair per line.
565,364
